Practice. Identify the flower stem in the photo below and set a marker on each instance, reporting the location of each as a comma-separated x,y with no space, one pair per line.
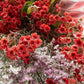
40,77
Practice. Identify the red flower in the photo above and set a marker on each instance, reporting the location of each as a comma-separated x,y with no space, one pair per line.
78,42
35,36
36,3
34,46
56,82
45,16
80,60
49,81
62,30
63,19
69,19
77,71
72,80
42,12
38,23
68,40
66,80
66,48
42,26
46,28
25,56
78,34
45,8
37,15
11,54
30,49
70,30
66,13
24,14
80,27
21,47
51,17
27,61
72,24
73,55
23,39
25,42
20,6
28,38
38,42
56,6
32,42
79,77
57,18
4,41
74,48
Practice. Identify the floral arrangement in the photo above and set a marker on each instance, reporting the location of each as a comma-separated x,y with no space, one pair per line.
41,42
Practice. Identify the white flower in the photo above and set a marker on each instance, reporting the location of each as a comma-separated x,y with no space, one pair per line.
15,70
5,76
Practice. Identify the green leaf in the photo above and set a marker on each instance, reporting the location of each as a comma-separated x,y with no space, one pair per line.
29,10
57,23
51,2
27,4
27,82
32,0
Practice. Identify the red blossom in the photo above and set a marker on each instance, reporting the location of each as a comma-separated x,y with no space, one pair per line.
68,40
57,17
78,42
62,30
45,27
73,55
80,27
74,48
72,80
49,81
26,45
24,14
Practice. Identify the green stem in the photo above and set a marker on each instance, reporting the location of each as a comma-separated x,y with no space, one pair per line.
40,77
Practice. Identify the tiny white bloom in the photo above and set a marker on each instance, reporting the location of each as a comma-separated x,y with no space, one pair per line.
15,70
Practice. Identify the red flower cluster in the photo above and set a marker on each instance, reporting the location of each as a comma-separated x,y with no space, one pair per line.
45,27
69,33
70,81
75,51
26,45
78,42
50,81
42,19
10,15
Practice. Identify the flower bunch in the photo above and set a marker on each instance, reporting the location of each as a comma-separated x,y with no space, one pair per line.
10,15
26,45
22,26
46,68
66,29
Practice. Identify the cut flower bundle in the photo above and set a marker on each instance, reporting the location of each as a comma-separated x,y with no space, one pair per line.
41,42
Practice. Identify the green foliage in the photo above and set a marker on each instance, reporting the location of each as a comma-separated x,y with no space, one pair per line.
26,6
29,9
52,1
57,23
72,43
